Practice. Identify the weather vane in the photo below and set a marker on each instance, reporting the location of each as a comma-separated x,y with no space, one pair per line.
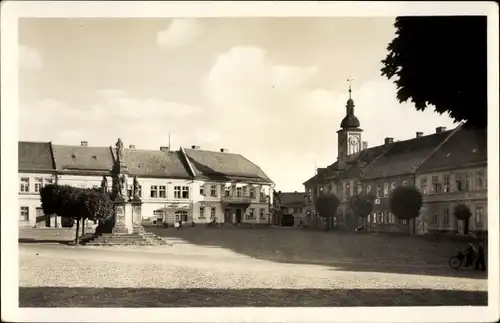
349,80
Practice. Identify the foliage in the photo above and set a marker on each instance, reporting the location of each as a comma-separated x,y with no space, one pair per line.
361,204
405,202
76,203
326,205
441,61
462,212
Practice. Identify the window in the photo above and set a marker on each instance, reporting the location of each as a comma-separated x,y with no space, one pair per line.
393,186
212,213
436,184
263,196
261,215
446,217
245,191
202,212
185,192
374,217
181,215
250,214
38,184
177,192
378,190
154,191
480,181
392,218
368,188
25,185
348,189
129,190
434,219
405,183
462,182
25,214
423,185
386,189
252,192
381,217
163,191
227,191
479,216
238,191
446,183
290,210
202,190
213,191
404,222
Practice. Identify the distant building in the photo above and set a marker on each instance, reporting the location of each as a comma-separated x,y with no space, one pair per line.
188,185
424,162
290,208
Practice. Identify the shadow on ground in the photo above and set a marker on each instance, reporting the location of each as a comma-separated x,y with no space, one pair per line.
344,251
59,241
157,297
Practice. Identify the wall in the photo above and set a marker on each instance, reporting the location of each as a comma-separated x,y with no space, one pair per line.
437,211
31,199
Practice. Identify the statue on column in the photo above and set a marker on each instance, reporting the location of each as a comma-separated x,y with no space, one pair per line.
122,181
119,150
104,184
136,189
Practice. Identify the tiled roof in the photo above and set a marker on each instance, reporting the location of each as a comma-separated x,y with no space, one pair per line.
364,159
35,156
404,156
291,198
154,163
83,158
223,165
464,147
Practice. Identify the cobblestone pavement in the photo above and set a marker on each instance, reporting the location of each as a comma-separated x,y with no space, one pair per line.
187,275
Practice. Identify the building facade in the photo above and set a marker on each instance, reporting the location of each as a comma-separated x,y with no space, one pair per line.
423,162
291,208
188,185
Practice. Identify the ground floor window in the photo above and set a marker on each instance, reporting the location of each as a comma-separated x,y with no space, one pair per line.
212,213
181,215
261,215
479,215
251,214
24,213
202,212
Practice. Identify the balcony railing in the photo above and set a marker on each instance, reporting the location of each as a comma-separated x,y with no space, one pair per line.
237,199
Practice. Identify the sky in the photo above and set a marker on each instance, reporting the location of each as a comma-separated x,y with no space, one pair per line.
271,89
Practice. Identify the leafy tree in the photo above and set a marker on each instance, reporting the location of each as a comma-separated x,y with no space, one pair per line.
326,206
441,61
405,203
76,203
462,212
362,205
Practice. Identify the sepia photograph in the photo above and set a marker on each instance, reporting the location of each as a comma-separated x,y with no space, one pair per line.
250,161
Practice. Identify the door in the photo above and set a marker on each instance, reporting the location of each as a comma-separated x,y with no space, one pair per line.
227,216
238,215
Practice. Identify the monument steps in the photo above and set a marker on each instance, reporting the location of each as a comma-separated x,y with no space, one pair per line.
126,239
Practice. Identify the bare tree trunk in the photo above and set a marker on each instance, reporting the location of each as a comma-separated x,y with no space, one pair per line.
466,226
83,227
77,229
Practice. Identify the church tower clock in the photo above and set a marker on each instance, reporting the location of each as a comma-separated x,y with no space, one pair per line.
349,136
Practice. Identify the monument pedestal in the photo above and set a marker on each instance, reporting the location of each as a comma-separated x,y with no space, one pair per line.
123,216
136,208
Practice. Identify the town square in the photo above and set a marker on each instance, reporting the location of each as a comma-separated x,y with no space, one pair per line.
253,162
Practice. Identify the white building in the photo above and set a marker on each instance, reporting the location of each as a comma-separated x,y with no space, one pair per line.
191,185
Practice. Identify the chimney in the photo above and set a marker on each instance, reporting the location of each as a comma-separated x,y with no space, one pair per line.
84,143
165,148
365,145
440,129
388,140
131,146
419,134
195,147
223,150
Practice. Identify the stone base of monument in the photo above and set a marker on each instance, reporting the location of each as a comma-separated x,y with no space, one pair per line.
127,230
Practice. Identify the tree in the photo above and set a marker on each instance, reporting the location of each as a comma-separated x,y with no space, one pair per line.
405,203
326,205
441,61
362,205
76,203
462,212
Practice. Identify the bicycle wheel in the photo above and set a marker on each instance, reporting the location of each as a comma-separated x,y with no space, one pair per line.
455,262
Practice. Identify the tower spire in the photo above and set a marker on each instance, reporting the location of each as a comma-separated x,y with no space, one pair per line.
349,80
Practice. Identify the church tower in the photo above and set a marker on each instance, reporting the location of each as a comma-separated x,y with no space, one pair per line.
349,136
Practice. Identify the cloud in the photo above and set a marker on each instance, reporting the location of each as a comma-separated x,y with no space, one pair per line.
179,33
272,114
29,58
143,122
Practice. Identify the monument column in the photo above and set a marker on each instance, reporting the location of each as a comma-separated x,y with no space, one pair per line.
123,209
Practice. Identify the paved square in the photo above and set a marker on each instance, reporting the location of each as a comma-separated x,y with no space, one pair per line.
250,267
